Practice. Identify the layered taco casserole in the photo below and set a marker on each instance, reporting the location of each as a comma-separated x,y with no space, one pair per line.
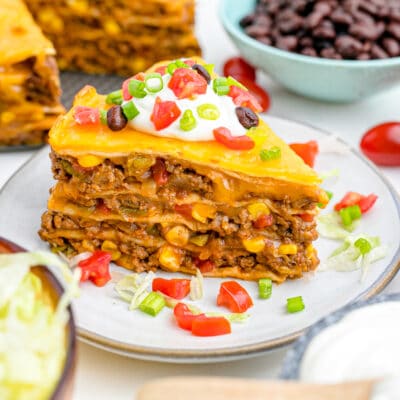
177,171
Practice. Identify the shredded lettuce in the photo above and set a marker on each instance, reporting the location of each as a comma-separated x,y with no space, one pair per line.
133,288
333,173
32,333
330,226
197,286
349,257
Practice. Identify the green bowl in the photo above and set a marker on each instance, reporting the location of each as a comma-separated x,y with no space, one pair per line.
318,78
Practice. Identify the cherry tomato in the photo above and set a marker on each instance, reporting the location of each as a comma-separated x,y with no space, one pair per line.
381,144
96,268
175,288
186,82
210,326
244,98
224,136
184,317
239,68
86,115
258,93
353,198
307,151
234,296
125,90
164,113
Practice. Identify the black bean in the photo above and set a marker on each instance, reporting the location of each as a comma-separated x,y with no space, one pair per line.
202,71
116,119
247,117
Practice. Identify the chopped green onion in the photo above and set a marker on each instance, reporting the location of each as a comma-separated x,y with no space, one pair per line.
181,64
188,121
171,67
349,214
363,245
233,82
136,88
271,154
130,111
264,288
152,304
154,82
209,68
220,86
103,117
329,194
115,97
208,111
295,304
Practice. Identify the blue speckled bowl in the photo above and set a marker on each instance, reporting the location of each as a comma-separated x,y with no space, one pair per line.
291,364
323,79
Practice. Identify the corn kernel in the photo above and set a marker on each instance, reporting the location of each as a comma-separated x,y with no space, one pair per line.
111,248
258,209
310,251
199,240
111,27
178,235
6,117
89,161
285,249
200,212
254,245
170,258
51,20
79,6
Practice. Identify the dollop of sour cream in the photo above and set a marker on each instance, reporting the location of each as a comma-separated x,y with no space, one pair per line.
365,344
204,128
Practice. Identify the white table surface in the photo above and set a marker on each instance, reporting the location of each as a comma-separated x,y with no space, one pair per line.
106,376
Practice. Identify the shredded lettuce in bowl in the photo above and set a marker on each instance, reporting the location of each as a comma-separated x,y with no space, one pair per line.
32,332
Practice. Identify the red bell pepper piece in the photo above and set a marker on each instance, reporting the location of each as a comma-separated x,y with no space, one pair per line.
96,268
184,317
234,296
159,172
224,136
186,83
175,288
353,198
307,151
210,326
244,98
184,209
164,113
86,115
263,221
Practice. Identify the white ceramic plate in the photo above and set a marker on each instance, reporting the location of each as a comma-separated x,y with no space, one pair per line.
104,321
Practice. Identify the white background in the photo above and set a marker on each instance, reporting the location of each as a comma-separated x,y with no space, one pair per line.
105,376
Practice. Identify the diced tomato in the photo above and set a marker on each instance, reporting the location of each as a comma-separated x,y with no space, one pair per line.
353,198
210,326
307,151
140,76
102,208
96,268
239,68
184,209
234,296
189,62
125,90
159,172
224,136
204,265
263,221
164,113
260,94
184,317
86,115
161,70
244,98
186,83
175,288
307,217
367,202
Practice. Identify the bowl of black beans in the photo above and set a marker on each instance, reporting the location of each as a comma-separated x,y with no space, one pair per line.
332,50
